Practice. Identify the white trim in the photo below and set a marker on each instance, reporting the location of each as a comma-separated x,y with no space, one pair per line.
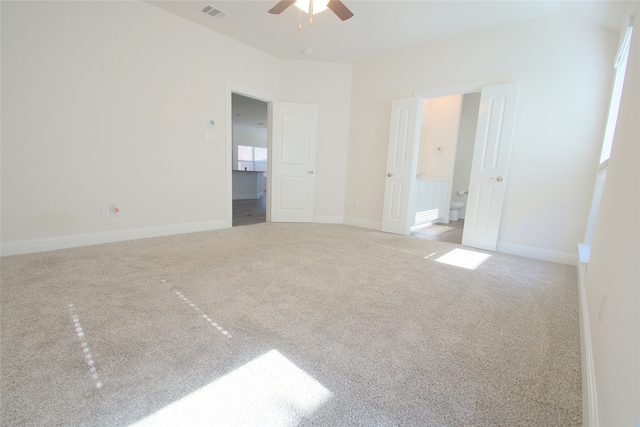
458,89
76,240
538,253
589,395
584,252
625,43
363,223
328,219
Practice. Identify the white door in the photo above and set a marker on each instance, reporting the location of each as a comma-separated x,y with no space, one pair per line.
496,121
404,143
292,162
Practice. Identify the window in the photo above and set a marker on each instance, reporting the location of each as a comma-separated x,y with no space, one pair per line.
610,128
616,95
252,158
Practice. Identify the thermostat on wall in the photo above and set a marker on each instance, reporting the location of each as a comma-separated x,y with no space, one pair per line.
212,123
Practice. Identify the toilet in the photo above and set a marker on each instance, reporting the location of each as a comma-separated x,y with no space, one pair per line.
453,212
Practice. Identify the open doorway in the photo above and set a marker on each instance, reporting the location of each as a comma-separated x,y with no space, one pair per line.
489,166
250,141
444,166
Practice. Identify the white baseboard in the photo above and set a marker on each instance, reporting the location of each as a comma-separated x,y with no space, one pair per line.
363,223
76,240
538,253
329,219
589,395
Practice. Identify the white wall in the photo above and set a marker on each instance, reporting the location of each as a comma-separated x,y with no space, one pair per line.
464,150
327,85
614,267
440,124
116,109
109,102
563,67
250,135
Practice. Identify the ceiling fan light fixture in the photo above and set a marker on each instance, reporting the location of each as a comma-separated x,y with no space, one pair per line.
318,5
312,7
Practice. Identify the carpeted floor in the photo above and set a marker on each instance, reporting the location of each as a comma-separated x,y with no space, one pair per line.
288,324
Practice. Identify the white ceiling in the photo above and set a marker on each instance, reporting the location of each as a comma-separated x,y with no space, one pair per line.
378,27
247,111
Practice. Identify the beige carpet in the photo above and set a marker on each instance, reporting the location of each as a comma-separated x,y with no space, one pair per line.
288,324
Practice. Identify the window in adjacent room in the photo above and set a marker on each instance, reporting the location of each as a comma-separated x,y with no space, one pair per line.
252,158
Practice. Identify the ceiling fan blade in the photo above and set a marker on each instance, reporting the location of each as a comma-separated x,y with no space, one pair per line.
281,6
340,9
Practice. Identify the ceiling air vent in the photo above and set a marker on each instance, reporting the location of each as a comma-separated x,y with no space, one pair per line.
214,11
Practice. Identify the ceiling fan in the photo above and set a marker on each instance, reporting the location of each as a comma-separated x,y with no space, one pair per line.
314,6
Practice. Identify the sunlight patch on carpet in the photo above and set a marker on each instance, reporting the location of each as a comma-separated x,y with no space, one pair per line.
464,258
267,391
86,351
433,230
204,315
391,247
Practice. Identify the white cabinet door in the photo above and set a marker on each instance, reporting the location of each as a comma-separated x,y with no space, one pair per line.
492,150
404,143
293,162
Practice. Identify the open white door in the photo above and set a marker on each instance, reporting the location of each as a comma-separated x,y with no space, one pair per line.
492,150
292,162
404,142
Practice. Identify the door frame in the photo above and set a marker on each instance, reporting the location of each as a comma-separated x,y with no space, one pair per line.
459,89
250,93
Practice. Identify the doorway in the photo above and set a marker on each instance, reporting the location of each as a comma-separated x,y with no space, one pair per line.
447,140
249,159
490,163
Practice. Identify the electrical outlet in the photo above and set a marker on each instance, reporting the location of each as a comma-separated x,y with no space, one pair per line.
525,227
106,211
356,206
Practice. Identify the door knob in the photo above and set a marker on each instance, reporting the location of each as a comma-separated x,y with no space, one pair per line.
499,179
389,174
311,172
